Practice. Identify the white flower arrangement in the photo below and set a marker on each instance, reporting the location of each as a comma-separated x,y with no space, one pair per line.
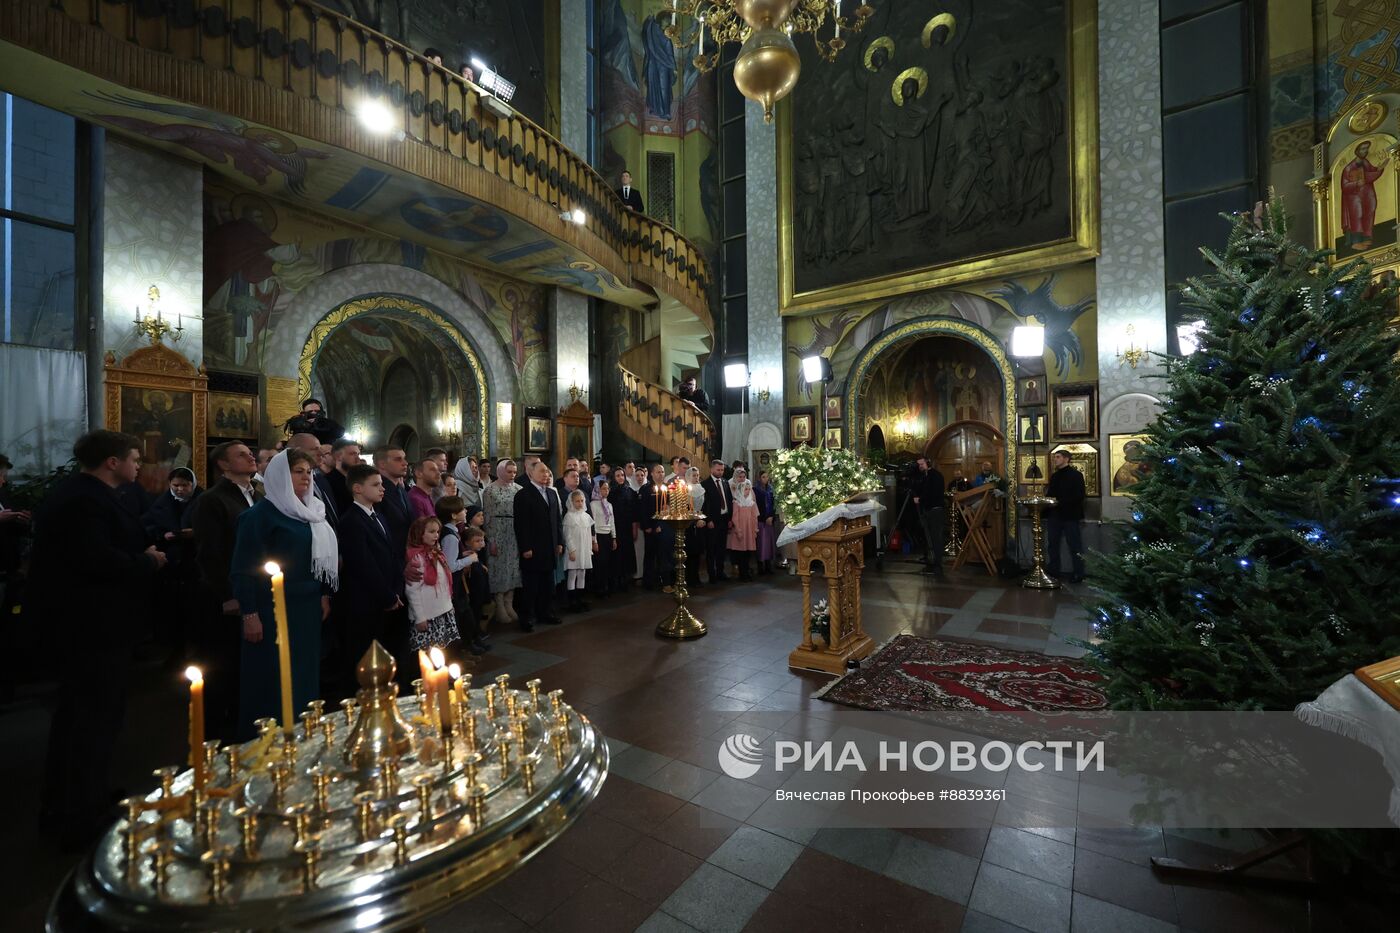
810,480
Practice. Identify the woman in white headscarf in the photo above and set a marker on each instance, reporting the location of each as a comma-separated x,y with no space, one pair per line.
287,526
743,528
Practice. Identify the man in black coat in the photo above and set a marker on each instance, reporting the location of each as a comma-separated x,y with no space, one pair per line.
314,420
658,562
631,197
539,536
719,508
217,638
928,491
91,573
1063,519
371,578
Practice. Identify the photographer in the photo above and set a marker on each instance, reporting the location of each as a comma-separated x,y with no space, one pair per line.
313,420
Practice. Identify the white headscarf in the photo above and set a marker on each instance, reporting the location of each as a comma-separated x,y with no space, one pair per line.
744,494
277,486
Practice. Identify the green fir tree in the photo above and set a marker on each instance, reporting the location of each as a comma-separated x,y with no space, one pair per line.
1262,561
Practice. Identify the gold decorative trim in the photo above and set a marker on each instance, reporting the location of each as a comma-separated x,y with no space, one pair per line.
1082,244
373,304
861,373
159,367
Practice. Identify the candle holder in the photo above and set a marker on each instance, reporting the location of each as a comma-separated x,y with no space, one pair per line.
1038,579
376,826
678,511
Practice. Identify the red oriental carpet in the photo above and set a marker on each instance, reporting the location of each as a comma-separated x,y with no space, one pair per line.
924,674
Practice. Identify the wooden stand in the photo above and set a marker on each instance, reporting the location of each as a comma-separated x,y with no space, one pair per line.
840,551
974,508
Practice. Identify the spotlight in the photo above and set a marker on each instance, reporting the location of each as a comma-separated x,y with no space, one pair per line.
736,376
1188,336
1027,340
816,369
376,116
578,216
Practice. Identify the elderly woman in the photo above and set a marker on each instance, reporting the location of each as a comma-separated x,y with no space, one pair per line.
498,502
287,526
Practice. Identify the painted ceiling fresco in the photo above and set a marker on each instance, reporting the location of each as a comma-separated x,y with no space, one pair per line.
341,183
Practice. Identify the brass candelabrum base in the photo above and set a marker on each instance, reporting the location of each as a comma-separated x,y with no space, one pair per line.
1038,579
682,623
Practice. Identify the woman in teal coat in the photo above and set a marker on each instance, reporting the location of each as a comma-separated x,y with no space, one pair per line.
287,526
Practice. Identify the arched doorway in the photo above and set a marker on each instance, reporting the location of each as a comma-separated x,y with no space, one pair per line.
941,386
959,450
395,371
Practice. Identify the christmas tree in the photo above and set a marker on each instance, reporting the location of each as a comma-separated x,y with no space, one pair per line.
1261,561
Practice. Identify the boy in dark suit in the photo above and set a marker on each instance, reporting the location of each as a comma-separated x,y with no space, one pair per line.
631,197
371,573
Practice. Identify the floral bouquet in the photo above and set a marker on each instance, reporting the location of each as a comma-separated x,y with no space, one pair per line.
810,480
821,621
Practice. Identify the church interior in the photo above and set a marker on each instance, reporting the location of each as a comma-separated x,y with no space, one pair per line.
507,466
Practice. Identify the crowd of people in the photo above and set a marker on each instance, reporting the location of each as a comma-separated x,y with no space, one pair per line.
412,554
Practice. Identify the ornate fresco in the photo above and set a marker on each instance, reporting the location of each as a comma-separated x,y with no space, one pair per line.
1062,302
926,385
936,140
259,253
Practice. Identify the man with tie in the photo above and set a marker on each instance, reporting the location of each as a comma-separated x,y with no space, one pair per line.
371,578
631,197
392,464
539,535
218,636
719,506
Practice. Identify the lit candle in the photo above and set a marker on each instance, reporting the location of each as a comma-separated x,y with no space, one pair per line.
456,671
284,644
138,314
196,678
702,36
443,688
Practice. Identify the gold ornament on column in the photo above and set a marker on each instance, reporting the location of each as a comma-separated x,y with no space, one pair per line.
767,68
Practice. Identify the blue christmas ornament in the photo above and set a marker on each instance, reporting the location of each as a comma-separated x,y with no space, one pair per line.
1219,425
1244,562
1248,315
1137,515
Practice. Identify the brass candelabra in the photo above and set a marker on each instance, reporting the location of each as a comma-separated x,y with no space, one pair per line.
1038,579
954,545
372,819
675,508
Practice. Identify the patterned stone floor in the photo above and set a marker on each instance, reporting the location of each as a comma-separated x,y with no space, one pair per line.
672,844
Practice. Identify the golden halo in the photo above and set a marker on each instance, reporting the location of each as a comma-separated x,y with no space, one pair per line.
942,19
241,204
897,88
151,395
271,140
1367,117
884,42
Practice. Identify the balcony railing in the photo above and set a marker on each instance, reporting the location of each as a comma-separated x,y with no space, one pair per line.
319,55
664,422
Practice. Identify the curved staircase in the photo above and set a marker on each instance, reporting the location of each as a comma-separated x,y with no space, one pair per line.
660,420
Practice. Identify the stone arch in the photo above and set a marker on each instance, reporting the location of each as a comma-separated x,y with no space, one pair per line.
765,435
341,286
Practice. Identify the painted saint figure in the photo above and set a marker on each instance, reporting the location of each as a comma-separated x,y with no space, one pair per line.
1359,198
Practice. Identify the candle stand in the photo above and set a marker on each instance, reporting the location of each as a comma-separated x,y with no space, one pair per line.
678,511
376,818
1038,579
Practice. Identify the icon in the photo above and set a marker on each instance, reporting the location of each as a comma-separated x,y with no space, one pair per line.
740,756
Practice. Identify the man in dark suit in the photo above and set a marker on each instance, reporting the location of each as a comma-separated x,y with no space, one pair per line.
539,535
345,454
928,490
392,464
719,507
631,197
371,581
218,638
91,570
1066,487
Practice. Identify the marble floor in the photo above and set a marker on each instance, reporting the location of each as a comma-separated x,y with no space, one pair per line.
671,844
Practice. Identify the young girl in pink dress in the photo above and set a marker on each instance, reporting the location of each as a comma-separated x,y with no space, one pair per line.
743,527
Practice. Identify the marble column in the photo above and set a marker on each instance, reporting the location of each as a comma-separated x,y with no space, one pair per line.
1131,268
762,427
568,345
573,76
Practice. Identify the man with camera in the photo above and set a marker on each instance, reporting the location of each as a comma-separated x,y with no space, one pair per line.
314,420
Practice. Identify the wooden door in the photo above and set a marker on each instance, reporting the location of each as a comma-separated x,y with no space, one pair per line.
958,451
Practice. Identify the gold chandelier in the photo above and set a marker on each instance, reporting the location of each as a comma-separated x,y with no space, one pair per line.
767,67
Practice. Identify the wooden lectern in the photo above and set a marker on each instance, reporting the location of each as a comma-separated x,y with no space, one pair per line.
975,511
840,550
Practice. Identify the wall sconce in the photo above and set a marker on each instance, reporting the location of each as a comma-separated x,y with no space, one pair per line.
1134,354
448,429
154,325
763,385
577,393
